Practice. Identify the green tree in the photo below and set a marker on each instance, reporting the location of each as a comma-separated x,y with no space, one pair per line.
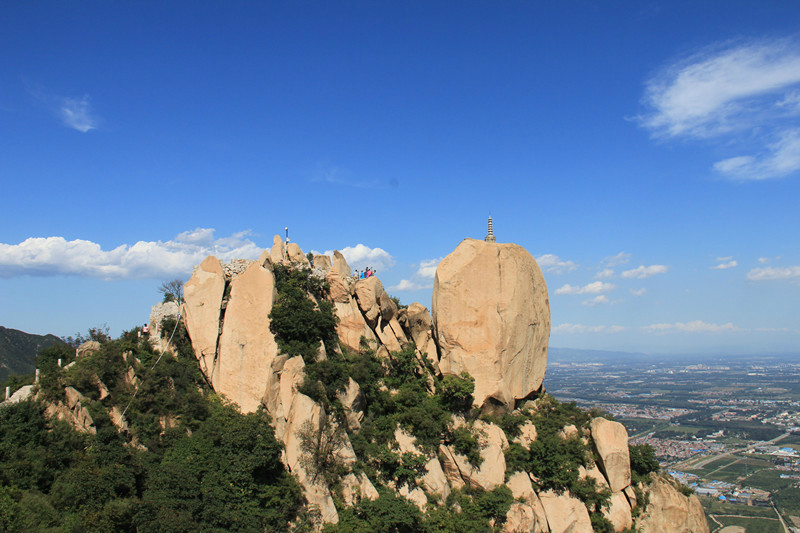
643,461
456,392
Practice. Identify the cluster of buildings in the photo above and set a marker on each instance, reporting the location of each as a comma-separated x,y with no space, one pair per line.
669,450
627,410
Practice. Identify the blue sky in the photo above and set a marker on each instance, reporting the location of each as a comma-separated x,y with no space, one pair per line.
646,153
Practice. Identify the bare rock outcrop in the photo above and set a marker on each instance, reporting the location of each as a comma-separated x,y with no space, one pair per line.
295,254
322,262
435,481
526,513
202,301
86,349
380,312
72,411
351,326
611,441
353,402
669,511
619,511
417,322
277,254
527,434
246,345
492,470
303,410
565,514
491,318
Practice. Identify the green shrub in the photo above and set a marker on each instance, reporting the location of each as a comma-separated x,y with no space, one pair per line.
601,524
297,322
456,392
465,443
643,461
389,512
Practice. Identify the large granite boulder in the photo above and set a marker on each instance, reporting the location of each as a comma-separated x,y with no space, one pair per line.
277,254
246,345
491,318
618,512
565,514
295,254
72,411
351,325
86,349
526,513
417,322
380,312
611,441
492,470
202,296
669,511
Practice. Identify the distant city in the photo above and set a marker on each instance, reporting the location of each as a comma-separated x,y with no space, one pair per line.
727,427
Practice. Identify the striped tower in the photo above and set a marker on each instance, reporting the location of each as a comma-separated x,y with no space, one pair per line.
490,235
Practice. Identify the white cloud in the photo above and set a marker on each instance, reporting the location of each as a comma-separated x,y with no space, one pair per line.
642,271
595,287
730,88
581,329
638,292
726,258
605,273
553,263
423,277
723,266
763,260
407,285
77,114
427,268
722,89
361,256
773,273
696,326
597,300
53,256
780,159
616,260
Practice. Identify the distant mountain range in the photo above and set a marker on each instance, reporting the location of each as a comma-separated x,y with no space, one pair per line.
18,350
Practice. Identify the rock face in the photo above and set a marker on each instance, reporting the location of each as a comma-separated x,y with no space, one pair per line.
72,411
669,511
380,313
619,512
417,321
202,301
611,441
246,346
295,254
565,514
87,348
277,254
492,470
491,318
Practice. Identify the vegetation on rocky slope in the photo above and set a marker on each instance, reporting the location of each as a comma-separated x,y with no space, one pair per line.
188,461
183,459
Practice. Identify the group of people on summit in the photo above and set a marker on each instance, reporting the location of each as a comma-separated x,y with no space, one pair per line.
366,273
